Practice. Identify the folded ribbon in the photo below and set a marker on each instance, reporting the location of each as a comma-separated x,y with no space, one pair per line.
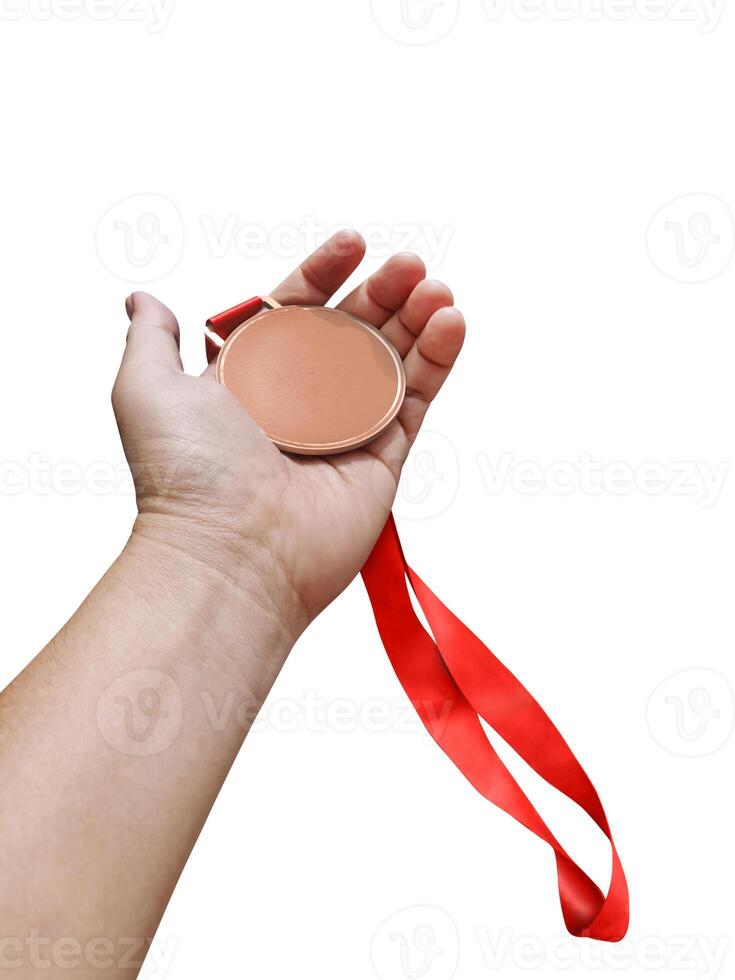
453,680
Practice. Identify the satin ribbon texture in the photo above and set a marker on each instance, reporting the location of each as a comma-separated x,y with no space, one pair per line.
453,680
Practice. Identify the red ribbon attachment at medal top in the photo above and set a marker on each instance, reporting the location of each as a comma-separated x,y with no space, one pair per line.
453,680
223,324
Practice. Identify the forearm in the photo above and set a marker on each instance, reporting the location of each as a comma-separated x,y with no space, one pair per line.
115,742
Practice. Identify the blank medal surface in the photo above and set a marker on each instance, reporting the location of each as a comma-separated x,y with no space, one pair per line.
316,380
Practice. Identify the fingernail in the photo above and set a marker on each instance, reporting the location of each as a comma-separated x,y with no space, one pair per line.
130,305
346,241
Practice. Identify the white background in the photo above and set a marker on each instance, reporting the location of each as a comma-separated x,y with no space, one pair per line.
526,151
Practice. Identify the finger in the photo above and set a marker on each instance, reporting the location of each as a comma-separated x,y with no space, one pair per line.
427,367
428,364
153,339
323,272
409,320
377,299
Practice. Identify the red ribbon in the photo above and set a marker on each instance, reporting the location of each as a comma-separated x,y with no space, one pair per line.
453,680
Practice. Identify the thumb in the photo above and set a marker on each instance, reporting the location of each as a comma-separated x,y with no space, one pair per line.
153,339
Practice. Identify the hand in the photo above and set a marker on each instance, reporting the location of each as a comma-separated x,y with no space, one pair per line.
210,483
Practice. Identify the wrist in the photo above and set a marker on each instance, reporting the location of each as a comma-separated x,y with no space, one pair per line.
232,594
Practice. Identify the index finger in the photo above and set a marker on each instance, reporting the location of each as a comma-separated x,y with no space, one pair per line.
321,274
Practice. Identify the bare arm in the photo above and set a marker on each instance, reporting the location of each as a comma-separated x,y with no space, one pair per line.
109,758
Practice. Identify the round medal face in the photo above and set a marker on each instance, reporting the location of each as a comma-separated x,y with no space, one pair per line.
316,380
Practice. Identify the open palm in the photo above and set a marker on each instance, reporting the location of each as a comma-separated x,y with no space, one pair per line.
204,471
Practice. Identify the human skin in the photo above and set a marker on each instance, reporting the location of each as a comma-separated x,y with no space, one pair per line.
235,550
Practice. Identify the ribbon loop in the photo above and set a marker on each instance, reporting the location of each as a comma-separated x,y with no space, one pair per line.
453,680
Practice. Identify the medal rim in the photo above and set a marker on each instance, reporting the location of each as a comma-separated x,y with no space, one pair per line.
344,445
